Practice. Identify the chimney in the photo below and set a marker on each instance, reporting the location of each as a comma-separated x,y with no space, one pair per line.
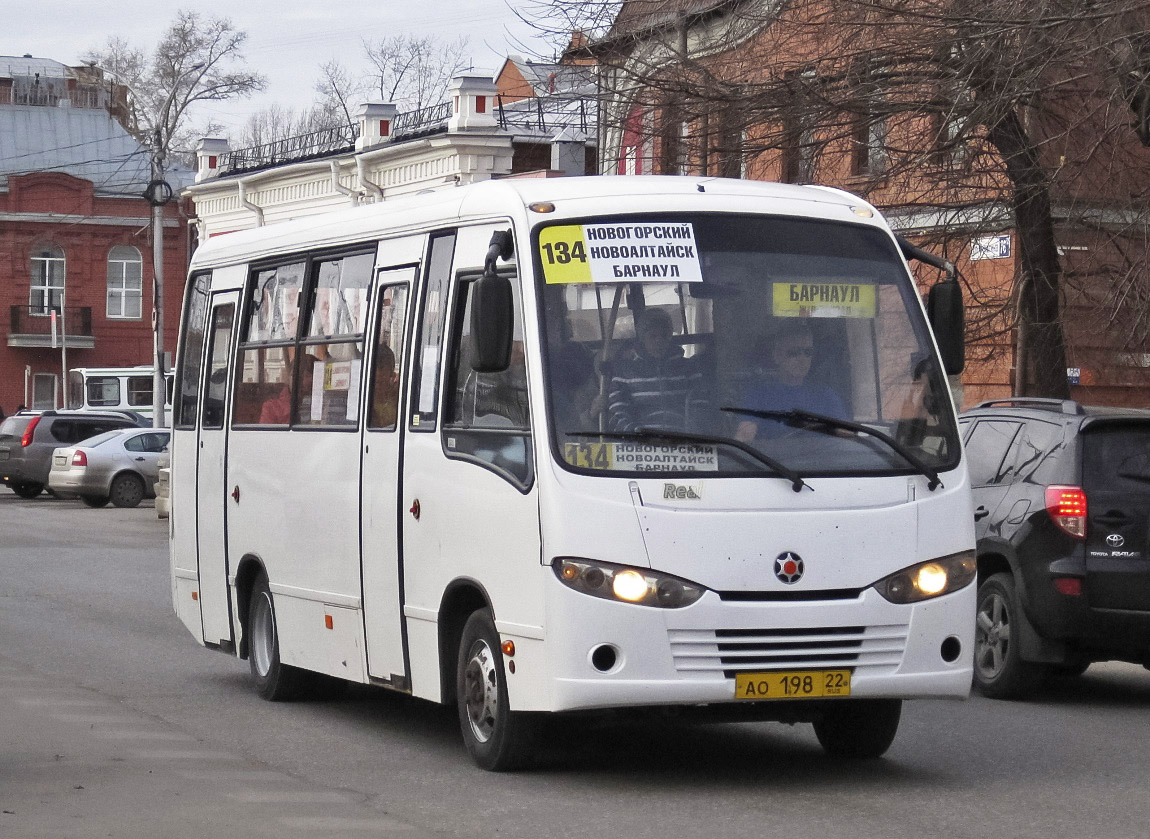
375,123
209,154
568,152
472,103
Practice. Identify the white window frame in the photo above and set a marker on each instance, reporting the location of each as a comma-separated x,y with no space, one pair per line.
44,293
38,403
118,290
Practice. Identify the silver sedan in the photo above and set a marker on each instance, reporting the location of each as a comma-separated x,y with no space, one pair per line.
117,466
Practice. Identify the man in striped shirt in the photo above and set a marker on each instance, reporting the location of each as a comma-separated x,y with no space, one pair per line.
654,386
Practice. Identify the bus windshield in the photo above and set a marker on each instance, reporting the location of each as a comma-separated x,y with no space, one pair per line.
737,344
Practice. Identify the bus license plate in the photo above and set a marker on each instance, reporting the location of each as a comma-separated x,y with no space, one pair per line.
793,684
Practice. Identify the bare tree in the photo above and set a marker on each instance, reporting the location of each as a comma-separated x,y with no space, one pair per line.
196,60
414,72
955,116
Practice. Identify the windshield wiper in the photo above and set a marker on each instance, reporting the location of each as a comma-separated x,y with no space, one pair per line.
798,417
797,482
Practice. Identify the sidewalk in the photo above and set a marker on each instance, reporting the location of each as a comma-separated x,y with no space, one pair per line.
74,763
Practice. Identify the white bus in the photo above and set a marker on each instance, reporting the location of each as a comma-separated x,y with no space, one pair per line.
115,389
423,444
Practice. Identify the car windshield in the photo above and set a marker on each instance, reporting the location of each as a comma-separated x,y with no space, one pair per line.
736,329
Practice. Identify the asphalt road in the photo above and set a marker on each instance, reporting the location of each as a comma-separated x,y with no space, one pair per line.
113,722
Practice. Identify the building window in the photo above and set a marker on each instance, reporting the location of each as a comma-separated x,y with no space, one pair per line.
125,282
47,285
800,146
43,391
869,146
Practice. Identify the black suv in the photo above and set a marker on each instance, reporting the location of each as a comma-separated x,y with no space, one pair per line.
1062,518
28,438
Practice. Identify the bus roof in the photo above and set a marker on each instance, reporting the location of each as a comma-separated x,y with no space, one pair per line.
510,196
113,371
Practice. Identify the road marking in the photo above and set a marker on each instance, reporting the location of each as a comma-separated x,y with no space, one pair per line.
175,754
249,775
94,719
48,702
290,797
335,823
143,735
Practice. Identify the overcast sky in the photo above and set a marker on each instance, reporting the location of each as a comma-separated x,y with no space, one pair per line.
287,39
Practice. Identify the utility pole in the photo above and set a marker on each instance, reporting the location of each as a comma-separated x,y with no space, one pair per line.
158,193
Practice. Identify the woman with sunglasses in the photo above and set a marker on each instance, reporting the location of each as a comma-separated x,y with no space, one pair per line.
785,387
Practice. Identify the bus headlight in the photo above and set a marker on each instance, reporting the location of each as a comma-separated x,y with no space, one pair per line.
929,579
630,585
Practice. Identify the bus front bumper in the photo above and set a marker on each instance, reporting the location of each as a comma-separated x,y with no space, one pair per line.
692,656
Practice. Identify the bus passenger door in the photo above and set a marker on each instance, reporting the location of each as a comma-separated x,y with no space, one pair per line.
468,506
211,484
379,481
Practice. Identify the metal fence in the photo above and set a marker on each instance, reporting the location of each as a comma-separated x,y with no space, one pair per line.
544,115
411,123
37,320
300,147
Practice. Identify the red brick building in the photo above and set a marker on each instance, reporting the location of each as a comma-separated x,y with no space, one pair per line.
799,92
75,238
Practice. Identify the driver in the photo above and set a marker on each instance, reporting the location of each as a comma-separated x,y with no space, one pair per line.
791,350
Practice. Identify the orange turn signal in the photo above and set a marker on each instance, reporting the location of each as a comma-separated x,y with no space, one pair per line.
509,648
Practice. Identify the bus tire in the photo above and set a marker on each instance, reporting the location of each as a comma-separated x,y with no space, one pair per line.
496,738
127,490
274,680
860,729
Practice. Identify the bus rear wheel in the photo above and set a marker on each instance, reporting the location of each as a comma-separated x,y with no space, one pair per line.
274,680
861,729
497,738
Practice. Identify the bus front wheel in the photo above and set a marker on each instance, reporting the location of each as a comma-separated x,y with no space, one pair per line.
497,738
858,728
274,680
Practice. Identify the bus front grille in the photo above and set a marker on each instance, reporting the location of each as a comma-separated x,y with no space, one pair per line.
731,651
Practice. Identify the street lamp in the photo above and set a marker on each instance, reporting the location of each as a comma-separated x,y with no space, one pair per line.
158,193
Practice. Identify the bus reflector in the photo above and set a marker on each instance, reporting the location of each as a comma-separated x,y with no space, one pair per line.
328,622
1067,508
195,595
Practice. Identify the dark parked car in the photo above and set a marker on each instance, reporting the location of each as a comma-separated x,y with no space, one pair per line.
1062,518
27,440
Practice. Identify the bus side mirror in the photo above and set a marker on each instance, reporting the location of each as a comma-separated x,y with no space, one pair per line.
492,323
948,320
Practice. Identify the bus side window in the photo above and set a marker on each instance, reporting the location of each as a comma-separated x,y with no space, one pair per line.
387,360
425,359
487,416
216,387
192,350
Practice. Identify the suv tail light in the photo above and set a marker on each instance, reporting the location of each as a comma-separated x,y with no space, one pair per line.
79,459
1067,508
26,440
